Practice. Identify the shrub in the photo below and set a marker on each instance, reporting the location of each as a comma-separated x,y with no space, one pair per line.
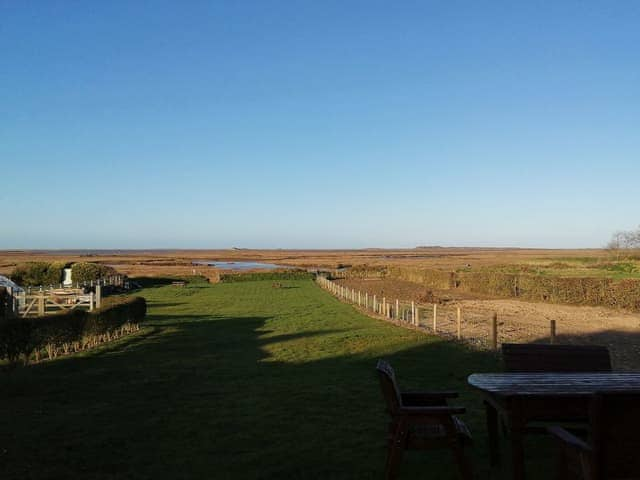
34,274
274,275
68,331
86,271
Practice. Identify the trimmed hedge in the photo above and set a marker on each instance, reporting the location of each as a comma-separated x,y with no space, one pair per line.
362,271
69,331
35,274
87,271
605,292
430,278
275,275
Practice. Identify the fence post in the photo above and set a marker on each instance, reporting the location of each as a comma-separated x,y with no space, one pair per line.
374,304
366,300
41,306
384,307
397,312
98,296
435,317
552,324
494,331
417,319
459,324
91,301
359,298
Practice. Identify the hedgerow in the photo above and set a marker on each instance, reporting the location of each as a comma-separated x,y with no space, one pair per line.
606,292
34,274
274,275
87,271
70,331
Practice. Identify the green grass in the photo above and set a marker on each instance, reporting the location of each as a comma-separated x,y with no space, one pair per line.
238,380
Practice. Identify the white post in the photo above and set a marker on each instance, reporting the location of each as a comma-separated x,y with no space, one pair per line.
98,296
435,317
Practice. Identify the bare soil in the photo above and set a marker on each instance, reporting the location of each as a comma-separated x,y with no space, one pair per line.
518,321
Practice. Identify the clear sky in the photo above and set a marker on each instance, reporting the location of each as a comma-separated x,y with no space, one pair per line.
318,123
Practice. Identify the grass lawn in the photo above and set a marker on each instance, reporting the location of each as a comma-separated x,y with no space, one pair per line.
237,380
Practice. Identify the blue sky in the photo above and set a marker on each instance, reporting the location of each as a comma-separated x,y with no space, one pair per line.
318,124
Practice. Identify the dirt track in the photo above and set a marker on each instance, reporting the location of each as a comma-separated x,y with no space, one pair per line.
518,321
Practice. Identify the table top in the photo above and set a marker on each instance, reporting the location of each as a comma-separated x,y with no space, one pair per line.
553,383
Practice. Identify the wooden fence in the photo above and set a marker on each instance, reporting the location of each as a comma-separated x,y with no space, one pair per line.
39,301
434,318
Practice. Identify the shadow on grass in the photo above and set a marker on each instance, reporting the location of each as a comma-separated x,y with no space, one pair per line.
225,397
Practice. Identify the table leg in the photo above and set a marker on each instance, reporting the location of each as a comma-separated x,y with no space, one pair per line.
492,429
517,445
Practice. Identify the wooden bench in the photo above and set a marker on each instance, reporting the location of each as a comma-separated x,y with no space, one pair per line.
421,421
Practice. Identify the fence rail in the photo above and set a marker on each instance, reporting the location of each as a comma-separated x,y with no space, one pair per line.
481,330
39,301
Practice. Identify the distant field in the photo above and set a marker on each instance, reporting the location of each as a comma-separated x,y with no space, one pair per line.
593,262
238,380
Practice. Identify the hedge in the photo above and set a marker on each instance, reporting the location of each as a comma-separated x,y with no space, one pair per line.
69,331
275,275
35,274
605,292
86,271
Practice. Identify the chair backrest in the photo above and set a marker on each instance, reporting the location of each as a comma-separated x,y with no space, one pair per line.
615,427
536,357
389,386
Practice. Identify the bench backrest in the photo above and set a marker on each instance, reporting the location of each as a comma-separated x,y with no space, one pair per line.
389,386
615,427
535,357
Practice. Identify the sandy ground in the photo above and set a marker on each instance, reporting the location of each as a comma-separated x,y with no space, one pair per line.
518,321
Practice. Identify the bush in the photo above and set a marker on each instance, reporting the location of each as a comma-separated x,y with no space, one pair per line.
274,275
86,271
35,274
69,331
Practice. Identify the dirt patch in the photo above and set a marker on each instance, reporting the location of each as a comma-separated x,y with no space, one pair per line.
518,321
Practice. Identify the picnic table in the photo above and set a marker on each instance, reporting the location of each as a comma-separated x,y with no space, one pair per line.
526,397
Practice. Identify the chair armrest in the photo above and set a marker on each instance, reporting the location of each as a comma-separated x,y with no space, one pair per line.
569,439
427,398
432,411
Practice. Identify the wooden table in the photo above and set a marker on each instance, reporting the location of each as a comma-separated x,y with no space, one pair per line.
526,397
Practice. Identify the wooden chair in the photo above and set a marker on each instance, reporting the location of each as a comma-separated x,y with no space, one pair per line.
611,452
536,357
421,421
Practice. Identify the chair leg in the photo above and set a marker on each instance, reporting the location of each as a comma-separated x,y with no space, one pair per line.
395,452
462,462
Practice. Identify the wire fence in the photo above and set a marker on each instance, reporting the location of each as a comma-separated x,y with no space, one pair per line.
482,329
